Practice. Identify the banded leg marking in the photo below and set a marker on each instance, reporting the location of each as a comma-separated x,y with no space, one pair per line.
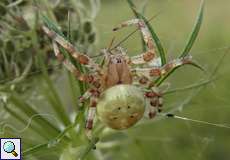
90,117
92,92
81,58
71,67
155,71
156,103
151,53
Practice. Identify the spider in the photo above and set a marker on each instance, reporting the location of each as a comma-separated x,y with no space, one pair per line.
121,89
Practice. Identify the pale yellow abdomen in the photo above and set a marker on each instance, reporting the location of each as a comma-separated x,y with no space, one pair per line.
121,106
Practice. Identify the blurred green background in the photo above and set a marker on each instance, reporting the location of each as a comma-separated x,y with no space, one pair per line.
176,139
161,138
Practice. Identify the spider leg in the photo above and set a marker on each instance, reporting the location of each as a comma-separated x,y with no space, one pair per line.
158,71
156,102
90,116
150,54
92,93
89,93
85,96
80,57
71,67
153,96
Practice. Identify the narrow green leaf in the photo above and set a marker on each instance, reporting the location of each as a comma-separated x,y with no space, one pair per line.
69,27
55,142
54,27
193,86
20,118
131,4
153,33
55,101
157,41
195,31
163,78
188,47
89,147
34,149
73,90
43,149
197,66
51,25
27,109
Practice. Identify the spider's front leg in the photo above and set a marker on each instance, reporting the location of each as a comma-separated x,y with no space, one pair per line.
92,93
159,71
82,77
80,57
150,54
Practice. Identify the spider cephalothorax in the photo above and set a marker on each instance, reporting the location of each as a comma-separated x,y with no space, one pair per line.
116,69
120,89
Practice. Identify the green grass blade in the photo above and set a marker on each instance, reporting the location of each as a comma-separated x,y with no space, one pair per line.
153,33
34,149
190,87
197,66
55,101
131,4
195,31
28,110
189,45
160,80
43,149
51,25
54,27
157,41
57,140
21,119
73,89
89,147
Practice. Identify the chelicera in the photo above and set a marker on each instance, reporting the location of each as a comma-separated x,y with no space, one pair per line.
121,89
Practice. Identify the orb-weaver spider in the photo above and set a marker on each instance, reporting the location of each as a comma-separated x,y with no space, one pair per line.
119,90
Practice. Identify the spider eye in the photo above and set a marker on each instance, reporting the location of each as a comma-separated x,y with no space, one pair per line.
118,60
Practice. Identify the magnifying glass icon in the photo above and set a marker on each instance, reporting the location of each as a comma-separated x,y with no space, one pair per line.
9,147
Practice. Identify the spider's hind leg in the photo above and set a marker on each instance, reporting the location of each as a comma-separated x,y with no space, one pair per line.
89,93
156,102
153,96
90,117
